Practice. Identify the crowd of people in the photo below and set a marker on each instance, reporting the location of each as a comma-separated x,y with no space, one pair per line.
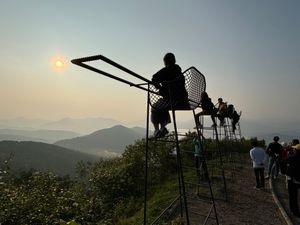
221,110
283,159
170,83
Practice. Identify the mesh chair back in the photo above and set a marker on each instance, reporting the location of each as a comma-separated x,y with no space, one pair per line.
194,84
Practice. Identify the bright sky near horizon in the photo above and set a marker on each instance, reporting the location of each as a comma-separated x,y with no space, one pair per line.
249,52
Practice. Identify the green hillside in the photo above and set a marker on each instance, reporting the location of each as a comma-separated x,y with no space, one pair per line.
26,155
110,192
110,140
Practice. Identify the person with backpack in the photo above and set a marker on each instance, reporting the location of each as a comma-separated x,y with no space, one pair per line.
274,150
287,151
293,176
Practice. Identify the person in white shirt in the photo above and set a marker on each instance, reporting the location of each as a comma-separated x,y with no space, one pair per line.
258,157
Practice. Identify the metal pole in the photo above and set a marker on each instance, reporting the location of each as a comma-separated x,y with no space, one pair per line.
206,170
221,162
180,167
146,160
179,182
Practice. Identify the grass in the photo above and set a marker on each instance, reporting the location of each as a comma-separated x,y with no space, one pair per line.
158,200
161,196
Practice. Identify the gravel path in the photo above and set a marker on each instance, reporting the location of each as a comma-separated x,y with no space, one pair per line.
246,205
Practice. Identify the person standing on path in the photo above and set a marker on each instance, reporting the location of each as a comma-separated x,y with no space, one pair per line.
274,150
258,157
199,159
293,176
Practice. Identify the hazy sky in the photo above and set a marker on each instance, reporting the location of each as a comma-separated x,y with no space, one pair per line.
249,52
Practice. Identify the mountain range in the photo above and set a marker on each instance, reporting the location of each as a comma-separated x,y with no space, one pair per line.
26,155
47,136
106,142
82,126
263,129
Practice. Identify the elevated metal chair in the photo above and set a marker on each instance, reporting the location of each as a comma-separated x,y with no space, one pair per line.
194,83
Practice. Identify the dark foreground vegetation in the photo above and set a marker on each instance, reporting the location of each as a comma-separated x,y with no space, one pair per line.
106,192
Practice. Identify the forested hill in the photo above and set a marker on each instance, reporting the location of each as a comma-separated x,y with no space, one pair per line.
25,155
109,140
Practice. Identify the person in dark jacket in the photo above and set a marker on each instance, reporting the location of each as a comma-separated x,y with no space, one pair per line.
171,85
293,176
208,108
287,151
274,150
233,115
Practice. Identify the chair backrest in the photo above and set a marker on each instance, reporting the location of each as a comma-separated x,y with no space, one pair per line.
195,84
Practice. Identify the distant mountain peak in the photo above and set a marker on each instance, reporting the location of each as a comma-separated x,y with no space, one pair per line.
113,139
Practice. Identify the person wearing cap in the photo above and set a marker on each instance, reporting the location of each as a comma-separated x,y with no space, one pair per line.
170,83
274,150
258,156
293,176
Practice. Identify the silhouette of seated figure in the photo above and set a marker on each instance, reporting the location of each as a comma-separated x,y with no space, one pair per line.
222,111
171,85
208,108
233,115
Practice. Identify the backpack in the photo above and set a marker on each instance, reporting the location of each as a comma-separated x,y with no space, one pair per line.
235,117
293,167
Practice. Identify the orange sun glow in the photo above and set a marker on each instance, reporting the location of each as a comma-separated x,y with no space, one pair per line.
59,63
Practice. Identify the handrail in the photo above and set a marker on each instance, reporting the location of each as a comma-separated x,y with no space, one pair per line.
82,63
109,61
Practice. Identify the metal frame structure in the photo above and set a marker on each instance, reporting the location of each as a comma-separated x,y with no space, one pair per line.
152,96
201,127
226,133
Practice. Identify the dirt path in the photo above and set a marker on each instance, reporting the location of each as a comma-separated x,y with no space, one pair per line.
246,205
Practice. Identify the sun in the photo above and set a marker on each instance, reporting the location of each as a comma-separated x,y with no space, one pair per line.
59,63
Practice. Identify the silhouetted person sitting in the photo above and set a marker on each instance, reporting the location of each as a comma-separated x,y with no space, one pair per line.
208,108
222,111
234,120
233,115
171,85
